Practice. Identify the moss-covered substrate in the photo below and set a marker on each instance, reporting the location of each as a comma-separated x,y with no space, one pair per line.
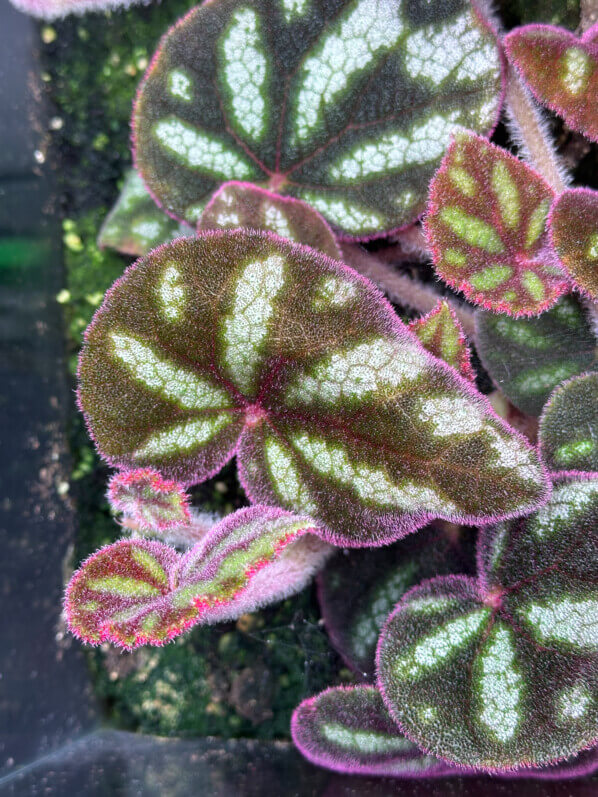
235,679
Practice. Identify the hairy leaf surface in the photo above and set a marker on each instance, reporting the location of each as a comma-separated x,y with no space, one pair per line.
135,225
246,205
569,426
347,104
574,234
150,501
442,335
486,228
239,341
528,357
561,70
348,729
137,591
359,589
502,671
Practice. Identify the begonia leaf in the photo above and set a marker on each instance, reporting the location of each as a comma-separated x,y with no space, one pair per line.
359,589
561,70
528,357
441,334
135,225
137,591
502,671
238,341
347,104
569,426
350,730
245,205
486,229
150,501
573,227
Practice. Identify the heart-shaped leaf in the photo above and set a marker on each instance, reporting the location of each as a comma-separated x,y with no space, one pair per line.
569,426
350,730
150,501
561,71
348,104
138,591
502,671
486,229
442,335
135,225
245,205
239,340
528,357
574,233
359,589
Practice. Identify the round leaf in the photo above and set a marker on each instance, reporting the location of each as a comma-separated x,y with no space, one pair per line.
574,234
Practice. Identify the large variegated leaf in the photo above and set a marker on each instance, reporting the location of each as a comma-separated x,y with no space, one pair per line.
441,334
561,70
574,234
149,501
240,341
135,225
245,205
348,104
138,591
350,730
359,589
528,357
569,426
486,228
502,671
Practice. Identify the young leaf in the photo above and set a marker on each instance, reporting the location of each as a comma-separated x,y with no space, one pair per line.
527,358
241,340
348,729
442,335
135,225
561,71
502,672
348,105
138,591
246,205
569,426
573,225
150,501
486,229
359,589
55,9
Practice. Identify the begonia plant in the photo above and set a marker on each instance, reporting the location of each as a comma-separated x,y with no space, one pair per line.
283,138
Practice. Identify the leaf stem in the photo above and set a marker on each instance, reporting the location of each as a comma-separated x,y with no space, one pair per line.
530,132
400,288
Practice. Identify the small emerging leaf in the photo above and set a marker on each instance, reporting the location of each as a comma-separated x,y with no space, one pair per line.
237,341
502,671
246,205
348,729
486,228
561,71
442,335
135,225
569,426
150,501
137,591
528,357
574,234
348,105
359,589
